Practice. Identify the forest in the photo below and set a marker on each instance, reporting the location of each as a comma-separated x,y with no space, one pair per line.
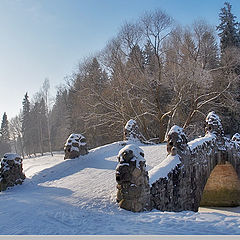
154,71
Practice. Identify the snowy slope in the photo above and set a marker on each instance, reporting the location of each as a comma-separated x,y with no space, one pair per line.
78,197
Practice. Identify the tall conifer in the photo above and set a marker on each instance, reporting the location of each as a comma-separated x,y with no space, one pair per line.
26,120
4,137
228,28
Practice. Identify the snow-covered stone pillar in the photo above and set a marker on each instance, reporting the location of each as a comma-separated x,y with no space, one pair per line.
132,132
75,146
214,124
236,138
133,190
176,141
11,171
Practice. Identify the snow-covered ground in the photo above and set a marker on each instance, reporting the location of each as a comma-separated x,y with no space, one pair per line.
78,197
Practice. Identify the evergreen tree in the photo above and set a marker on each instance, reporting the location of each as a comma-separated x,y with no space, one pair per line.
228,28
60,120
150,59
95,75
4,138
5,129
136,58
26,120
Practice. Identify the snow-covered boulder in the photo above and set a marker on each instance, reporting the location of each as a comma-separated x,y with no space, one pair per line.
133,192
75,146
11,172
132,132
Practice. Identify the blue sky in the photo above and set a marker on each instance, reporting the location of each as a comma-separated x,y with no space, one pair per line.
47,38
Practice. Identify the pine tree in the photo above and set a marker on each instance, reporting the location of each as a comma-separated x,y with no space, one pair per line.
228,28
4,138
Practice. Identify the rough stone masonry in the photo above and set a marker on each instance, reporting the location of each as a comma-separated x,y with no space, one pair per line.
182,187
75,146
133,190
11,172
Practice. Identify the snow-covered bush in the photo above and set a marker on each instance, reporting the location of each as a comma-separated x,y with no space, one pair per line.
75,146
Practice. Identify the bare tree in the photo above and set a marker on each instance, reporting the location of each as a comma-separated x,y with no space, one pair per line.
15,129
45,93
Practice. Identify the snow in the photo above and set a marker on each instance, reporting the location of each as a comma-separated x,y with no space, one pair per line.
75,138
137,151
11,156
213,118
179,131
198,142
162,169
77,196
236,137
176,129
74,149
130,124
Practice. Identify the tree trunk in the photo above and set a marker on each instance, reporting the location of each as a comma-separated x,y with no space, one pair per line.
161,131
49,139
21,146
40,137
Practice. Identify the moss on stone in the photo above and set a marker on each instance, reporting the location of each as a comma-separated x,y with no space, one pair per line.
221,198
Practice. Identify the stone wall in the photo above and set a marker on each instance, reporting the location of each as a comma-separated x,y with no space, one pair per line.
182,187
11,171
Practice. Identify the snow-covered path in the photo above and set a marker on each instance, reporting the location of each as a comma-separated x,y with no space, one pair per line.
78,197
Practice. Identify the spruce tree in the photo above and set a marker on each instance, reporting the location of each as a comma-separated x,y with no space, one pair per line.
4,138
26,123
228,28
150,63
95,76
5,129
